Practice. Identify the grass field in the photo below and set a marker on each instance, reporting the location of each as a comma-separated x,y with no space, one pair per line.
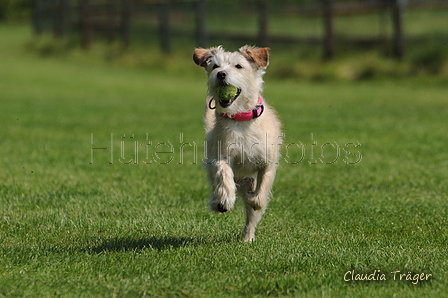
136,225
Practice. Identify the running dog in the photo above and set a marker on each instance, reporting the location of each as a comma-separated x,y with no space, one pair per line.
243,131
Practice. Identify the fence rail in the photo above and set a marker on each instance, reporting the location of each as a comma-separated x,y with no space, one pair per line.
114,20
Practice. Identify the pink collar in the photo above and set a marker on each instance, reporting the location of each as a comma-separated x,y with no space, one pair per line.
249,115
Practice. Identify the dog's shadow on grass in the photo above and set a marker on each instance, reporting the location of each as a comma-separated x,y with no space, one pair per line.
150,243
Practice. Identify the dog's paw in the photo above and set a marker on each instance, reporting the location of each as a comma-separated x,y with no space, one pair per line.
248,235
217,206
221,208
249,239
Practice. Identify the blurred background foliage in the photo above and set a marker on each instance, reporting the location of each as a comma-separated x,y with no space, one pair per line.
14,8
162,34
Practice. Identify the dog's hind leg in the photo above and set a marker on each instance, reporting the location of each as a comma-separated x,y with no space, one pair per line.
253,217
224,190
256,198
259,198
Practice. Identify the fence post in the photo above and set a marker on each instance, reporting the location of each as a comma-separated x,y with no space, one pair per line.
108,26
125,22
398,37
382,25
60,12
37,17
328,29
201,31
263,23
164,25
86,24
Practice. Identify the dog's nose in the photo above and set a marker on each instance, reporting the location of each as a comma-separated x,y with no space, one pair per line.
222,75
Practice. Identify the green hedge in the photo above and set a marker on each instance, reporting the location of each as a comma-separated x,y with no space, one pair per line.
10,9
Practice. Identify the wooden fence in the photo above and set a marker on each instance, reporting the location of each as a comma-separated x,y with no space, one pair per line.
112,19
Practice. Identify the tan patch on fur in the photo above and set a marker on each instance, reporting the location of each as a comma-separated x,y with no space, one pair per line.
259,56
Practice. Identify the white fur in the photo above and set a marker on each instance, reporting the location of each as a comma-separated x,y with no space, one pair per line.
242,156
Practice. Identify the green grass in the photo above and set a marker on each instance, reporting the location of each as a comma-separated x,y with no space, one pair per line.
73,229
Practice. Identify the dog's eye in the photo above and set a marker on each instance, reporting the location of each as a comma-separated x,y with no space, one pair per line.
239,66
215,66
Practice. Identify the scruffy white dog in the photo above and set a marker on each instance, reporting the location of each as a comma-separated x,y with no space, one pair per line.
243,132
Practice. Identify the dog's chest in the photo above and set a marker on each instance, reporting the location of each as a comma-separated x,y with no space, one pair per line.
243,145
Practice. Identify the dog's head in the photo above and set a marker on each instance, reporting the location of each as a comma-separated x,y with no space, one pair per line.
243,69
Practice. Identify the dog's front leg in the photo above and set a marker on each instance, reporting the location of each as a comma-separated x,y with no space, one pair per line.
224,190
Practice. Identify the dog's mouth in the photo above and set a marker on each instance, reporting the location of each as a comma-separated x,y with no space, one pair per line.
226,103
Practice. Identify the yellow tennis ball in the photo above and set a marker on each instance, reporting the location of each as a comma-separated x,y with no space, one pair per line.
226,92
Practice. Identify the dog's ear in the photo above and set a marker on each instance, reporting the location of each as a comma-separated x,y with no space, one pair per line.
200,57
258,56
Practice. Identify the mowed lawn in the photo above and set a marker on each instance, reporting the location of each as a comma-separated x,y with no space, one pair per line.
103,193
